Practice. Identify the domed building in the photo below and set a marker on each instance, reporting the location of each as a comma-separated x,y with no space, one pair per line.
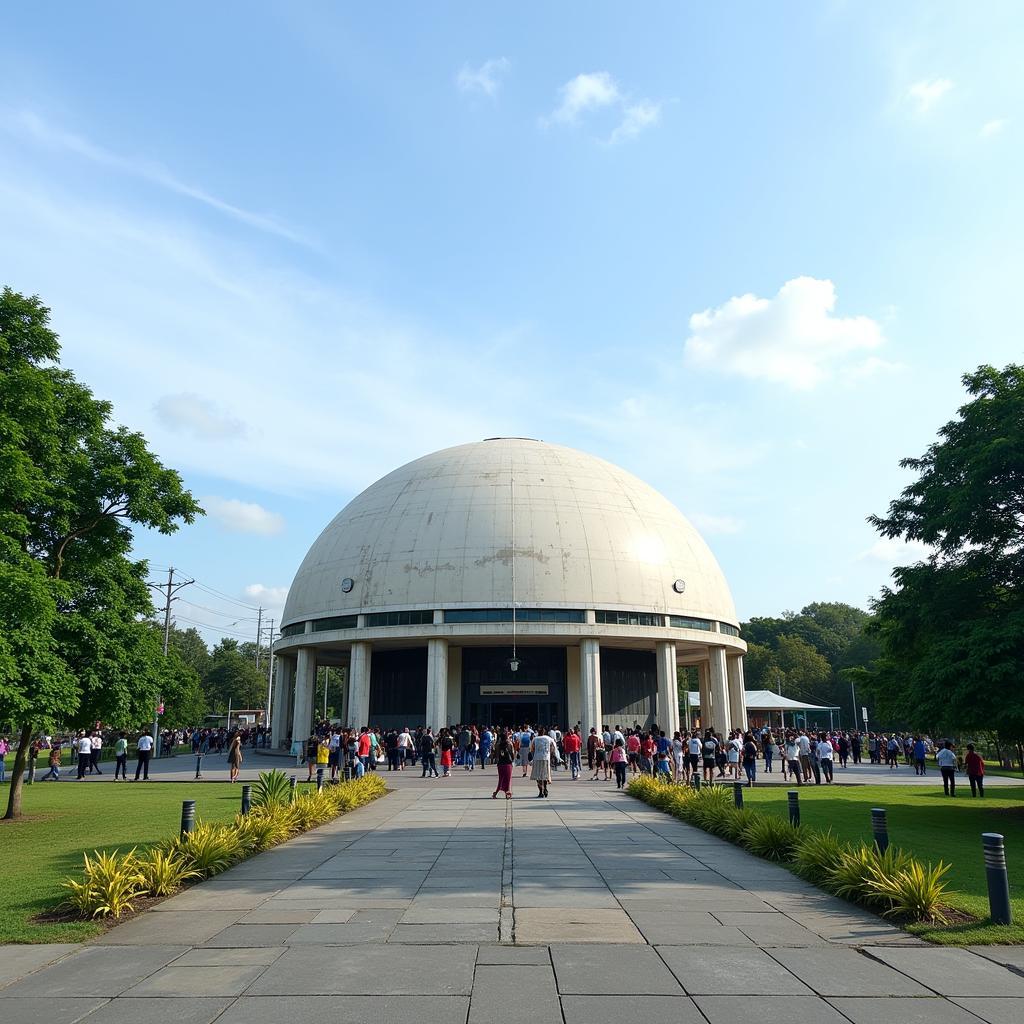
509,581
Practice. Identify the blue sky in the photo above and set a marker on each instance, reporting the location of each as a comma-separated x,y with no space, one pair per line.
744,250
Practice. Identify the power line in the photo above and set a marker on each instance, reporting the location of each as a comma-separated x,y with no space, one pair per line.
217,611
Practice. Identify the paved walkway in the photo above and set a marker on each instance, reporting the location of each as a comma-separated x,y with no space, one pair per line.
437,903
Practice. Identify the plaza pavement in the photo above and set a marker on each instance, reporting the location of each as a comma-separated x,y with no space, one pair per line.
437,903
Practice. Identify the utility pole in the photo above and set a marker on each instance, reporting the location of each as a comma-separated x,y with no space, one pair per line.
259,635
270,673
168,589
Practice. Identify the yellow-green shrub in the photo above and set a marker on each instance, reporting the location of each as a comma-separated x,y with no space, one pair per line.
112,882
163,872
914,891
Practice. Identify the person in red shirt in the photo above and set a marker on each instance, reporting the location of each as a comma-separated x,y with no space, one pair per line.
647,753
572,744
975,771
365,746
633,752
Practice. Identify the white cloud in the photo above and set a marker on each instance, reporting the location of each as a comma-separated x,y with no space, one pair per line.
243,516
271,598
636,118
993,127
193,414
926,93
40,131
793,338
583,93
715,525
894,551
484,80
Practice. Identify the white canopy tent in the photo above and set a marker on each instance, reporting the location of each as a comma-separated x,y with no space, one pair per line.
766,701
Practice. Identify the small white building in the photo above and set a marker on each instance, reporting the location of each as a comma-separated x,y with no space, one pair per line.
509,581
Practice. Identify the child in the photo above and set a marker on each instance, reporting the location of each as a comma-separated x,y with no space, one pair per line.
618,760
664,766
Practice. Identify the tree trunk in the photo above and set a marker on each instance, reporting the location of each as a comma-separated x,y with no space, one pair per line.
18,773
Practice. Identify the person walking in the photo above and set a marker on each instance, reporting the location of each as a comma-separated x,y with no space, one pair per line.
975,771
617,759
792,751
825,756
121,757
144,751
572,744
53,771
600,758
768,743
447,745
541,749
919,756
525,739
749,752
95,748
83,745
427,755
505,757
709,749
947,767
201,751
235,757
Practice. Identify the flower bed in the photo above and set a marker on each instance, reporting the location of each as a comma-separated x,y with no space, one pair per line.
894,883
112,883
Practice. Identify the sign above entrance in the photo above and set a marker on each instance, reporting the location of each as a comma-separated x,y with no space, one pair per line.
513,690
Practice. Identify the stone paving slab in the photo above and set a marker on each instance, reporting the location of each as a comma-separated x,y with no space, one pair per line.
93,971
618,1009
220,980
1009,956
512,994
994,1010
177,1010
731,1009
528,955
953,972
17,961
350,1010
585,970
568,924
866,1010
840,971
55,1010
370,970
171,926
743,972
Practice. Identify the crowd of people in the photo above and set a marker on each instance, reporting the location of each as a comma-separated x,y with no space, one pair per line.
802,756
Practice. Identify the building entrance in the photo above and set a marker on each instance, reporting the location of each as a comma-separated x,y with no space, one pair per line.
511,714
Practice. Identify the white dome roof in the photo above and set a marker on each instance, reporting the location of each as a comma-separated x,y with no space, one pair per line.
437,533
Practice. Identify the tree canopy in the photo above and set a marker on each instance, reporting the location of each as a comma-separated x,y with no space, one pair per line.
74,645
951,628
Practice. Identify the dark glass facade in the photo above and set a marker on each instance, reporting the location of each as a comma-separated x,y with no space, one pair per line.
398,688
629,687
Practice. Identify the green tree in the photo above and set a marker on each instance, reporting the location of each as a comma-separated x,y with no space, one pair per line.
951,629
233,676
74,645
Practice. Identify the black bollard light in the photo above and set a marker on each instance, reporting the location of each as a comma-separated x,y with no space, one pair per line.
696,783
188,816
348,772
794,807
319,777
880,828
291,797
737,794
998,880
246,799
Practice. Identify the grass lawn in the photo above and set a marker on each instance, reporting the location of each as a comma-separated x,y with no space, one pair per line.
932,827
64,820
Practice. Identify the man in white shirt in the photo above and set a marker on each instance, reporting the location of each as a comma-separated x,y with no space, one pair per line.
825,751
96,740
145,749
947,767
804,743
83,747
693,752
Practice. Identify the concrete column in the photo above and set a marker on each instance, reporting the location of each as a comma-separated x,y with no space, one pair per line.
573,693
668,690
345,687
454,712
737,693
719,688
704,690
280,711
590,684
437,682
359,684
305,684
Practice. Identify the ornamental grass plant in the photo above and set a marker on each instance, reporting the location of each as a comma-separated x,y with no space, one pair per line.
894,883
112,883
